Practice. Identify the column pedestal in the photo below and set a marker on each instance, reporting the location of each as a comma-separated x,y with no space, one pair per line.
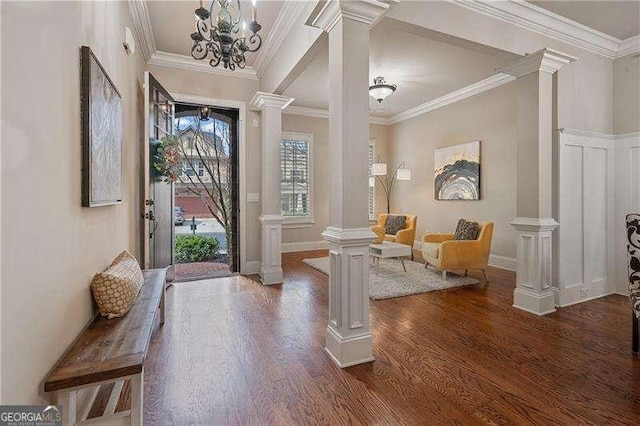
271,267
348,340
534,244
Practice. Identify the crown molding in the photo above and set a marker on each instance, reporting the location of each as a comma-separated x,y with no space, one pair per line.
630,46
142,24
455,96
329,12
323,113
545,60
289,14
262,100
542,21
172,60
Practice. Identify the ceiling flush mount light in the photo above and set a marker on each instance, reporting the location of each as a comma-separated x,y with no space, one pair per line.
229,38
380,89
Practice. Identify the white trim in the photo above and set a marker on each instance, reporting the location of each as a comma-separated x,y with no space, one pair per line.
533,18
302,220
184,62
288,15
306,112
245,267
455,96
251,267
629,46
262,100
323,113
503,262
142,24
304,246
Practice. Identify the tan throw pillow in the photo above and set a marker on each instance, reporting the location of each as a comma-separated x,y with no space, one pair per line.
115,290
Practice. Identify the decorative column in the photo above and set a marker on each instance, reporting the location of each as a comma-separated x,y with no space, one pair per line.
534,179
271,218
348,339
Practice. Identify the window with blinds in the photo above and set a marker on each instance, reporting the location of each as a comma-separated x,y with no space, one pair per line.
295,182
372,190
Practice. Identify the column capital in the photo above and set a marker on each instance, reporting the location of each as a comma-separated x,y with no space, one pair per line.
534,224
262,100
329,12
545,60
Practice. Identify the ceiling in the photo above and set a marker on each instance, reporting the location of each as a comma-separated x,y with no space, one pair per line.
620,19
423,64
173,21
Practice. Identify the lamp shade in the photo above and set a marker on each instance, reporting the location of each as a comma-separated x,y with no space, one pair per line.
379,169
404,174
372,182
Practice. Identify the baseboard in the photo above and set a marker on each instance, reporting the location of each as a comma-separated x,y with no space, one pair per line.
500,262
570,295
503,262
251,267
304,246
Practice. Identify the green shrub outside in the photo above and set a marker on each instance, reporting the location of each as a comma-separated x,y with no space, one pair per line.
196,248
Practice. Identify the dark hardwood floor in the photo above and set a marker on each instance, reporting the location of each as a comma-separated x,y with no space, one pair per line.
233,351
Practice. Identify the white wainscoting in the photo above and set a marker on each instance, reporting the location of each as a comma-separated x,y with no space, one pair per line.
586,207
304,246
627,201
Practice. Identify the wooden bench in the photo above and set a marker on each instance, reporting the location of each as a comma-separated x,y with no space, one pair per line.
109,351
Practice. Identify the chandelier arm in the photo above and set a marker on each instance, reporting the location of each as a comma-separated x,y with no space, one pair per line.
211,7
255,42
198,52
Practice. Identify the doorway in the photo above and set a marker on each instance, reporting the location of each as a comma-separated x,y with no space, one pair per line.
206,192
191,156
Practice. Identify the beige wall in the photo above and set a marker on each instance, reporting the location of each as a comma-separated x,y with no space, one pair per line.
585,92
227,88
319,128
51,246
490,118
626,95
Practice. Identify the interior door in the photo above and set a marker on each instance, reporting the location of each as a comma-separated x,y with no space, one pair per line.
157,195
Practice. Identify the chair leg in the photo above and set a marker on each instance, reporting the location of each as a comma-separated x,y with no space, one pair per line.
484,274
466,272
412,255
426,264
634,330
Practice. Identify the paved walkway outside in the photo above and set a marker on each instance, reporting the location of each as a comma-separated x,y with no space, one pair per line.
198,270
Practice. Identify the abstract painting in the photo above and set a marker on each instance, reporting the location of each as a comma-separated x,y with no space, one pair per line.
457,172
102,135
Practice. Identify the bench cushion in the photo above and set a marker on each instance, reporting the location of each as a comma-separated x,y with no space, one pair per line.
108,349
115,289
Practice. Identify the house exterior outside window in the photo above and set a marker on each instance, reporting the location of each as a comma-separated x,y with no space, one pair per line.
296,183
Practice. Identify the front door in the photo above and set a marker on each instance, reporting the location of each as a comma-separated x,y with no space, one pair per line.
157,195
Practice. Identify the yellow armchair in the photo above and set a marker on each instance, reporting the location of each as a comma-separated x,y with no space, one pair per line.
405,236
447,254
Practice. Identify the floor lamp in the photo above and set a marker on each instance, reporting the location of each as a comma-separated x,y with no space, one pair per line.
379,170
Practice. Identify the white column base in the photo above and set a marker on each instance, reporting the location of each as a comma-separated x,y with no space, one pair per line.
348,340
349,351
539,304
533,291
271,266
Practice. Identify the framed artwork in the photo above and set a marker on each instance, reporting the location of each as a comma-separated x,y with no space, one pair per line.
102,134
457,172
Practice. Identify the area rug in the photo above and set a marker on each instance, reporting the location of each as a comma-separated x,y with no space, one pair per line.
392,281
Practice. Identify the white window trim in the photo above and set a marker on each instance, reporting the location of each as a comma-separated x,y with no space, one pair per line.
302,221
372,217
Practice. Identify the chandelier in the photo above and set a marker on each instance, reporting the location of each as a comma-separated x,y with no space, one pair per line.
226,40
380,89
